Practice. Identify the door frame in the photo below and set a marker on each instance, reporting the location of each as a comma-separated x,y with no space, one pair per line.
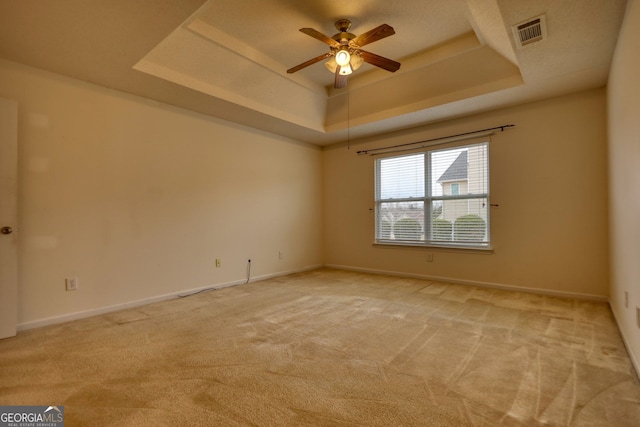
8,217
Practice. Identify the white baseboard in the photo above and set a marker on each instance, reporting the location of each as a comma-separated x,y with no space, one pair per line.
548,292
632,356
137,303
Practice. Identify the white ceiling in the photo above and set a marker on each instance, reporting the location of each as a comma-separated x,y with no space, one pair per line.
228,58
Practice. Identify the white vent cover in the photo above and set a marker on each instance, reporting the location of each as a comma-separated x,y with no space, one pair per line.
530,31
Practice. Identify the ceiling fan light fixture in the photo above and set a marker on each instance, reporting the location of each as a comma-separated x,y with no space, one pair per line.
345,70
331,65
343,57
345,54
356,62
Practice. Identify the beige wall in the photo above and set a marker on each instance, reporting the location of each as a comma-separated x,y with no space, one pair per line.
549,177
624,178
137,199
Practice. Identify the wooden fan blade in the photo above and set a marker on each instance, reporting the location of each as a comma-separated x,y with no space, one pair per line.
318,35
371,36
380,61
341,80
309,62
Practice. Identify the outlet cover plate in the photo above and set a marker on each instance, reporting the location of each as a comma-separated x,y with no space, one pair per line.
71,283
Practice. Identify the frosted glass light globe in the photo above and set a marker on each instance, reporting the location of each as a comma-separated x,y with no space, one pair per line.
342,58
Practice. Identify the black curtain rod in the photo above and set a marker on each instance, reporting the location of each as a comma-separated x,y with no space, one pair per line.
502,128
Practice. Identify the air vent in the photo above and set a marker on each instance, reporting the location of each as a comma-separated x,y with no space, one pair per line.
531,31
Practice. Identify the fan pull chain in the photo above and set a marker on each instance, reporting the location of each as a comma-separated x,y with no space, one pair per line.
348,120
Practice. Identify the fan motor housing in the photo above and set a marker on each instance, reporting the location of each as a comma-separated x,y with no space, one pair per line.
343,37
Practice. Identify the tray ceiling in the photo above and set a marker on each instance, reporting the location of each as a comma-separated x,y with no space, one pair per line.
228,59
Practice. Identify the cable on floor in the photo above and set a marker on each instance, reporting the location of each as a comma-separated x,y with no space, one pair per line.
213,288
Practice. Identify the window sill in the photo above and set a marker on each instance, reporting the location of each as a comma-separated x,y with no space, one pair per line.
483,250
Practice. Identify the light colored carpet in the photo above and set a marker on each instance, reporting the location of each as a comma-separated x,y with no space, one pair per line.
332,347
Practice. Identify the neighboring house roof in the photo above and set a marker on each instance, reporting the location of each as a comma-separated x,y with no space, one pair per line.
458,169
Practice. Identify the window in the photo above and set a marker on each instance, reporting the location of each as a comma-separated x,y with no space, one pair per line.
438,197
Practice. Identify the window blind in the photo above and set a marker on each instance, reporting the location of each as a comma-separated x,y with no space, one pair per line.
434,197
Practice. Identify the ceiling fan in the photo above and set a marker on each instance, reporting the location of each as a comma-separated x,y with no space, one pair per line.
345,53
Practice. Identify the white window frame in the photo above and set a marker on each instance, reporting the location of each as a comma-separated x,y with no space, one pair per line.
428,200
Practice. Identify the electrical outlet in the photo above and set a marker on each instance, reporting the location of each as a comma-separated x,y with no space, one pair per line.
71,283
280,255
429,256
638,316
218,262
